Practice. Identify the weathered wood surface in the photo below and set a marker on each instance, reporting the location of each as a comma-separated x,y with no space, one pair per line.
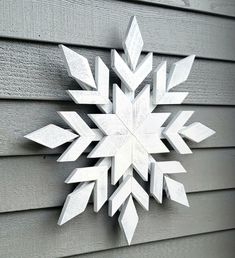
36,71
22,117
35,233
102,23
210,245
34,182
221,7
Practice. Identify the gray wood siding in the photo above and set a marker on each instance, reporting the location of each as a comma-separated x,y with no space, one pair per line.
102,23
33,84
212,245
35,233
43,178
222,7
23,117
41,65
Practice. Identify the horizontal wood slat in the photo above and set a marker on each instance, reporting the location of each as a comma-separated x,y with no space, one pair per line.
221,7
37,71
38,182
22,117
211,211
211,245
102,23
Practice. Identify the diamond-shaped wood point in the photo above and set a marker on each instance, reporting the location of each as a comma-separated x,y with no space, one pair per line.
51,136
128,219
133,43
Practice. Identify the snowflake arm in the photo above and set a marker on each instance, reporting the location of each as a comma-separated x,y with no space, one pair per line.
79,69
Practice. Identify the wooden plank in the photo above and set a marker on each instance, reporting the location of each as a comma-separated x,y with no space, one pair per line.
35,233
38,181
211,245
21,118
102,23
221,7
36,71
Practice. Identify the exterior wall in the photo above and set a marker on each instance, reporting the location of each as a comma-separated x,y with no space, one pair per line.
33,81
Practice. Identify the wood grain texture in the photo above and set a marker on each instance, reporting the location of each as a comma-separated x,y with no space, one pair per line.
38,181
23,117
210,245
221,7
102,23
37,71
211,211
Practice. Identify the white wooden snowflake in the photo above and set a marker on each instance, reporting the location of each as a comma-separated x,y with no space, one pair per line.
128,133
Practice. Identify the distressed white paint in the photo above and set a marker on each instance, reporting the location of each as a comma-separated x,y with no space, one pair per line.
102,78
160,95
129,172
159,81
127,187
152,123
175,191
120,195
99,174
170,167
122,107
99,96
87,135
76,202
98,134
156,182
128,219
140,160
101,186
51,136
141,106
171,132
152,143
180,71
109,124
133,43
104,162
75,149
126,143
158,172
108,146
78,68
197,132
128,133
129,78
76,123
87,97
140,195
171,98
122,160
86,174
